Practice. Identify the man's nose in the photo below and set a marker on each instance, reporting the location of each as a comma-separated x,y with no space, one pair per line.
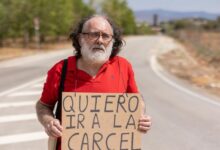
100,40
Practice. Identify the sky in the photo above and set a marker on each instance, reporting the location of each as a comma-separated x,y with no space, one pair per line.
211,6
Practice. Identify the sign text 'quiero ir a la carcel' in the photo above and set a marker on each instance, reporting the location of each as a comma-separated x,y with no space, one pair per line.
101,121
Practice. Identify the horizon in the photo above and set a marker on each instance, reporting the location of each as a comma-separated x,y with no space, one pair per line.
208,6
179,11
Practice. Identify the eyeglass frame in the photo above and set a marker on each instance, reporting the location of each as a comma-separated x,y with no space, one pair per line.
100,34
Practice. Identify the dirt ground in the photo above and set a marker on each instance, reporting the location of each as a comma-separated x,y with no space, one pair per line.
184,64
8,53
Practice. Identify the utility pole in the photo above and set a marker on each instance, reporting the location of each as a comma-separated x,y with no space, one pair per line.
155,20
37,32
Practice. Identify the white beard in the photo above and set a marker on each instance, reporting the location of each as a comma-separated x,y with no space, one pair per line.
95,56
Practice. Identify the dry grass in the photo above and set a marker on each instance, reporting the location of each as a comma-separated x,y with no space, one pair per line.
203,45
12,52
205,73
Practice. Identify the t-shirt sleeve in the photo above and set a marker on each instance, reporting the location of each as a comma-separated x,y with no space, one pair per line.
49,94
132,87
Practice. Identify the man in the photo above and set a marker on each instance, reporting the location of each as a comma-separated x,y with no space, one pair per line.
95,68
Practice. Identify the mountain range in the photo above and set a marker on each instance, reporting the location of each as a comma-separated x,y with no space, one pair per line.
166,15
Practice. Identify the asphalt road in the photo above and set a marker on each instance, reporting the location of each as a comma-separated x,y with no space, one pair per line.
183,118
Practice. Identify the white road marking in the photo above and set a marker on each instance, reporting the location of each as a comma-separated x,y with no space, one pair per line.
40,85
156,68
25,93
22,86
17,104
26,137
14,118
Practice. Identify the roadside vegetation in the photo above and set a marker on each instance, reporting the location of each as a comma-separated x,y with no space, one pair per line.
202,36
199,64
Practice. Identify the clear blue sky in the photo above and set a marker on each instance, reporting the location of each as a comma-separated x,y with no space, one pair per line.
212,6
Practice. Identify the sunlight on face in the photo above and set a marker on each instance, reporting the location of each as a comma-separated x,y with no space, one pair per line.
95,54
98,51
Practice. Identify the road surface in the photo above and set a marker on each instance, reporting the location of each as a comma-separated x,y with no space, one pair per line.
183,118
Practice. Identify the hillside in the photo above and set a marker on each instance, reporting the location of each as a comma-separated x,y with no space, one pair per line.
166,15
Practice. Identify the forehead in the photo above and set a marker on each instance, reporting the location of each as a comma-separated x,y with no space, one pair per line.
97,24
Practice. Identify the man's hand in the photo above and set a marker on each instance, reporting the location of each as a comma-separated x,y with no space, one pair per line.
53,128
46,117
144,124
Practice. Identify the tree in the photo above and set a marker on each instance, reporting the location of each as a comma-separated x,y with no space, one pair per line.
119,11
55,16
3,23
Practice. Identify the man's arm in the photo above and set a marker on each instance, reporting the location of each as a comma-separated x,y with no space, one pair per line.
46,117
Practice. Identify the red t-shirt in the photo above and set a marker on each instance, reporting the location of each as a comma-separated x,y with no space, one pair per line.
115,76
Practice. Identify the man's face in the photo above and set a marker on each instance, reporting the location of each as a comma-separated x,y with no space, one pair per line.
96,40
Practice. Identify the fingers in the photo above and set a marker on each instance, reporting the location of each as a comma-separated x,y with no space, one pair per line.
54,129
58,125
144,124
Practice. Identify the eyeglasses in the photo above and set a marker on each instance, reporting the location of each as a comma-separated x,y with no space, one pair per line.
93,36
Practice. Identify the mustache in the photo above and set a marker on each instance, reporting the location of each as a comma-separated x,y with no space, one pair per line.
99,47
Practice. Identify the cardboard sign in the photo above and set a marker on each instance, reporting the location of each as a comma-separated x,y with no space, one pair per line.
97,121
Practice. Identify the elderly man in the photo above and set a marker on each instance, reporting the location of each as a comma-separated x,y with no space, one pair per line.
95,68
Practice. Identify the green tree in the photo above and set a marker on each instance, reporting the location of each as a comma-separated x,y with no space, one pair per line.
119,11
55,16
3,23
212,25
